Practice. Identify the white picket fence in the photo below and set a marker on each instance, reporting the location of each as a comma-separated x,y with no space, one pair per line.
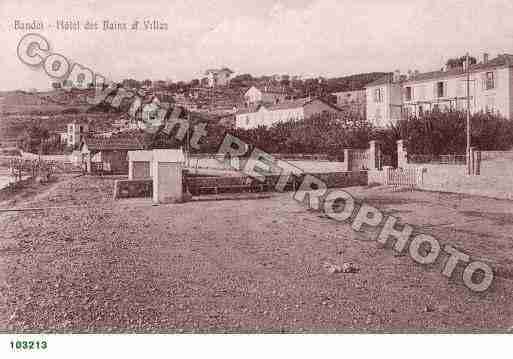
403,177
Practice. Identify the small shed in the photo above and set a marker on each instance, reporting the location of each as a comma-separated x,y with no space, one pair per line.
108,155
167,176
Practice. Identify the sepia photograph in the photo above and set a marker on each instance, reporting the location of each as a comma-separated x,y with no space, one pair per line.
285,174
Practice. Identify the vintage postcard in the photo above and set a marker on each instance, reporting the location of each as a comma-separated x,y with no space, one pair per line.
280,166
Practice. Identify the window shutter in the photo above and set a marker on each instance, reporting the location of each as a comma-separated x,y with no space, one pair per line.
483,81
435,90
496,79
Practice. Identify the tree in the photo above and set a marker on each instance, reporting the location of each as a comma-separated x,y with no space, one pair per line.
459,61
33,137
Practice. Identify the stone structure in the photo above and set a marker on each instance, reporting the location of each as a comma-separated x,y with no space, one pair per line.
167,176
140,164
374,155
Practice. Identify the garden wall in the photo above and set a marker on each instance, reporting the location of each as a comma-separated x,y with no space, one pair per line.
197,185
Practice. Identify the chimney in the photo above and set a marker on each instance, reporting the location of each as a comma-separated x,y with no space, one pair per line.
397,76
486,57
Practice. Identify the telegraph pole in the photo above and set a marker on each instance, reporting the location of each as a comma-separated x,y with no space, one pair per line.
467,59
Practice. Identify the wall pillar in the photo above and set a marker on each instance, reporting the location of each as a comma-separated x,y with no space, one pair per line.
475,161
130,170
374,155
348,160
402,155
386,174
167,176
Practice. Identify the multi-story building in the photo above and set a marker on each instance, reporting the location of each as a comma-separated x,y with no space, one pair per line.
384,100
490,85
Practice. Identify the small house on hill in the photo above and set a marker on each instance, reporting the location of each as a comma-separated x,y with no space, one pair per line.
218,77
266,95
108,155
265,115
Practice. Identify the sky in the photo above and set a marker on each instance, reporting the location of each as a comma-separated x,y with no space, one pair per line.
298,37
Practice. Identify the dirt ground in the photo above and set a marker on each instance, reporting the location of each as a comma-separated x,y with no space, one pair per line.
243,265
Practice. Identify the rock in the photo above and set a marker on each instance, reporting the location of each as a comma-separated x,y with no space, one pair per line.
349,268
429,309
332,268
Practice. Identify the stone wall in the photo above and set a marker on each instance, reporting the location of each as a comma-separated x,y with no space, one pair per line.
133,188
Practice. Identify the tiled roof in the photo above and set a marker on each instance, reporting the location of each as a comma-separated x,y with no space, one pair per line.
381,81
286,105
500,61
290,104
113,144
224,69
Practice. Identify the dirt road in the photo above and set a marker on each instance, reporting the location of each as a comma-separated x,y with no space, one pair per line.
240,266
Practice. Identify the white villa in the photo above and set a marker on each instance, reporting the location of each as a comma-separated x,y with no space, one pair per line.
397,96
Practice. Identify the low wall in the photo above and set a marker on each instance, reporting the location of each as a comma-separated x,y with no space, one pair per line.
492,155
376,177
437,176
343,179
133,188
196,185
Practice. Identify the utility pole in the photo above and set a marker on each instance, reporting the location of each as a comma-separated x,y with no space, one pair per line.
467,59
187,144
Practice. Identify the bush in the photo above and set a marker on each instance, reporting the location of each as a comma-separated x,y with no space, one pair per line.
444,132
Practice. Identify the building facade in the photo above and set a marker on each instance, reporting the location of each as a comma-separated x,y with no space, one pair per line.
255,96
108,155
218,77
76,131
266,115
490,90
352,101
384,101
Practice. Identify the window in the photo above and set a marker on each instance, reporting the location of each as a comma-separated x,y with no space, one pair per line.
490,81
441,89
247,120
378,95
409,93
421,93
490,104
